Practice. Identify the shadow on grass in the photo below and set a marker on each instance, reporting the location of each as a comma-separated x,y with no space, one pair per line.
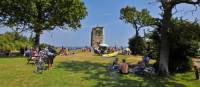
98,72
14,57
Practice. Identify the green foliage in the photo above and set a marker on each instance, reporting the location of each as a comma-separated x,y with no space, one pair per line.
137,45
167,7
138,19
184,44
43,45
45,14
40,15
154,43
198,50
10,42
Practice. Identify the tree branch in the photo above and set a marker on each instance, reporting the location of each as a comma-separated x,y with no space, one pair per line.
175,2
176,11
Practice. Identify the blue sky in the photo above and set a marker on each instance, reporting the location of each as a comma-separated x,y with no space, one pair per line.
106,13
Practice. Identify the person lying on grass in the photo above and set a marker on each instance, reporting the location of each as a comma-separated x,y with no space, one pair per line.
123,67
139,67
142,64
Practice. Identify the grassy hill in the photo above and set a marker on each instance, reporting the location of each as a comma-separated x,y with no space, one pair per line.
83,70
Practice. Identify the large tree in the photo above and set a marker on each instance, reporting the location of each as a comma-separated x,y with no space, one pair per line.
40,15
138,19
184,46
167,7
164,26
183,38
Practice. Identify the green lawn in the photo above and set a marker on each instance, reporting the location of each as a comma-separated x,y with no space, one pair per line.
82,70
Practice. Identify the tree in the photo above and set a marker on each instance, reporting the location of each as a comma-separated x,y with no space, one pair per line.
40,15
183,47
137,45
167,6
138,19
8,42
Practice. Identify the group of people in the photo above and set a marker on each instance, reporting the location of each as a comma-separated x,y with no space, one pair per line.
47,55
123,67
64,51
112,49
127,51
85,49
71,51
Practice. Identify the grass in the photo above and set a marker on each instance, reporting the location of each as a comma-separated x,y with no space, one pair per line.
83,70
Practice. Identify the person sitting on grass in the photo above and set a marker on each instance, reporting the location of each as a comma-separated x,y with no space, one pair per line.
34,54
146,60
139,67
28,52
115,65
123,67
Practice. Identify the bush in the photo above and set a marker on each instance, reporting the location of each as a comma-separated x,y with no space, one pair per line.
137,45
179,60
183,44
9,41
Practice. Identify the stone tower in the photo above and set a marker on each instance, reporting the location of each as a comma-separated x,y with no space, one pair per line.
97,36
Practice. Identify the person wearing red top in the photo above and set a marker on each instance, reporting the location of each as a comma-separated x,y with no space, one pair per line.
123,68
34,54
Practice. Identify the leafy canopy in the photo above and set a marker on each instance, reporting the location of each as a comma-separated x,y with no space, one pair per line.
138,19
184,40
42,14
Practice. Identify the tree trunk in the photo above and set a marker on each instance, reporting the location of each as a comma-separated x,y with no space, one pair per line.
136,30
164,48
37,40
136,33
164,54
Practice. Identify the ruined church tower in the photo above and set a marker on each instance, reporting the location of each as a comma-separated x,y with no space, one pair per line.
97,36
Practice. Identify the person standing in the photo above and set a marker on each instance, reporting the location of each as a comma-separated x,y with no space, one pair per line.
51,53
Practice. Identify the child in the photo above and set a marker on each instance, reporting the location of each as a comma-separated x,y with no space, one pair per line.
115,64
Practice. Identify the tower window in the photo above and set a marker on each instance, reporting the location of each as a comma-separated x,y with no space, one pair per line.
98,33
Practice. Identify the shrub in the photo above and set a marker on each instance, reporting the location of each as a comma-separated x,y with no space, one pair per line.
137,45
